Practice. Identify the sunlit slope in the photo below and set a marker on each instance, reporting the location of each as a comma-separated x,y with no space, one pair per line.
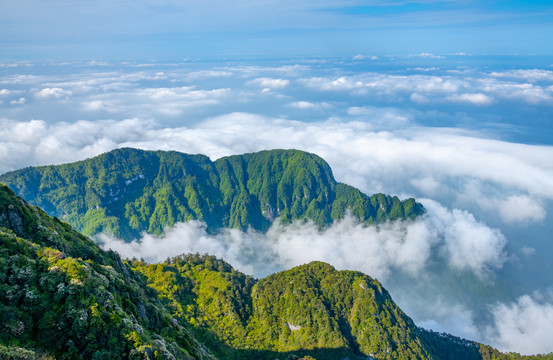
63,297
310,310
128,191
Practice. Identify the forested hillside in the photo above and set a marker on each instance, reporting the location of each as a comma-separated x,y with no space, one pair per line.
128,191
311,310
62,297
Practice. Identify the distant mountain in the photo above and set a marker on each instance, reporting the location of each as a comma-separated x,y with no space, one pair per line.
128,191
62,297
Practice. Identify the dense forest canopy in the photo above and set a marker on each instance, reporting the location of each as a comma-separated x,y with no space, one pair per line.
128,191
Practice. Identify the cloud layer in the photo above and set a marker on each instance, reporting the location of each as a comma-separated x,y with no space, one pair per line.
452,236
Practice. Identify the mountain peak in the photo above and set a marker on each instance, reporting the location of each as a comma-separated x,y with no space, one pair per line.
128,191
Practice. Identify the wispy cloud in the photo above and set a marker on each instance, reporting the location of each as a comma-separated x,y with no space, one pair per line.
426,56
474,98
365,57
307,105
436,89
271,84
55,92
19,101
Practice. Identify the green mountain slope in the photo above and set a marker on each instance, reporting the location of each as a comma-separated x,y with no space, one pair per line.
63,297
311,310
128,191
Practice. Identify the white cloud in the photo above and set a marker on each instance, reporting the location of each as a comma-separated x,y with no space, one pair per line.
269,83
204,74
19,79
20,101
303,105
525,326
400,252
419,98
452,235
425,69
424,89
517,209
428,186
7,92
521,209
99,105
381,117
386,85
450,318
533,75
166,101
426,56
365,57
56,92
529,93
38,143
97,63
16,64
306,105
27,133
268,72
373,160
184,94
528,251
469,244
476,98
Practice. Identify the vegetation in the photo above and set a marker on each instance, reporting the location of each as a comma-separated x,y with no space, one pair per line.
128,191
311,310
63,297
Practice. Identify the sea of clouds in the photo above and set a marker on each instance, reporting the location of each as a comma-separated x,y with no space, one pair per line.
433,133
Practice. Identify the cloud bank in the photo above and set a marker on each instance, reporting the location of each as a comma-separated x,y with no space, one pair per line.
525,325
452,236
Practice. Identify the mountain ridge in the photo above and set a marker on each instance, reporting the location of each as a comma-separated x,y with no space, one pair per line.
129,191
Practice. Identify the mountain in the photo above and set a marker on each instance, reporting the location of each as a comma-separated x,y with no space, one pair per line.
312,310
62,297
308,310
128,191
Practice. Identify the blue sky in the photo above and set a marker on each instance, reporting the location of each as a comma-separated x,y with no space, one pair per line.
173,29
